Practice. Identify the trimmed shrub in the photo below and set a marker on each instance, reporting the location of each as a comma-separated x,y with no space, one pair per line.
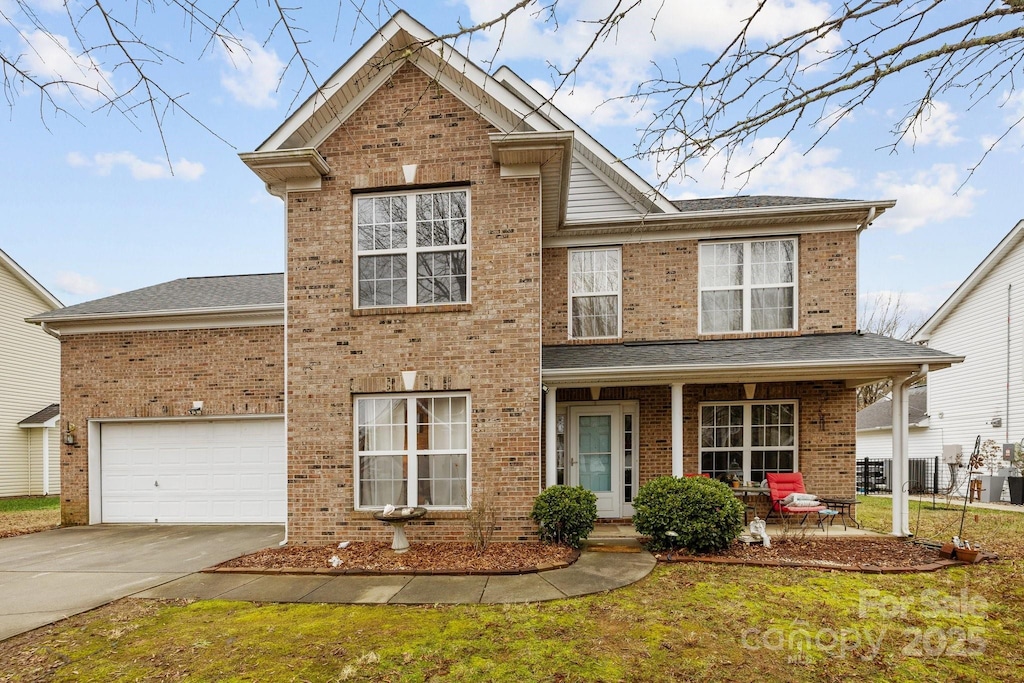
696,513
565,514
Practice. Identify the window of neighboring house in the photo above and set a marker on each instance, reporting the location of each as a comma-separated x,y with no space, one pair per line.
412,450
748,440
412,248
748,286
595,277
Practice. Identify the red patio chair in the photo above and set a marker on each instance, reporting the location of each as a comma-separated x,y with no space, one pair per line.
780,485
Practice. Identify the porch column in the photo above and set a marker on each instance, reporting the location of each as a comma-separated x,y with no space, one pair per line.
677,429
550,439
900,463
46,461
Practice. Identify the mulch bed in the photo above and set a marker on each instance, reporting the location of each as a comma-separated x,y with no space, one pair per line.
873,555
421,558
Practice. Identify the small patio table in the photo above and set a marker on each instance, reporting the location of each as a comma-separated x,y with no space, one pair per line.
843,508
745,491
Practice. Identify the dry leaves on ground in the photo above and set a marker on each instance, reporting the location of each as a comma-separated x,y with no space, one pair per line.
27,522
421,557
884,552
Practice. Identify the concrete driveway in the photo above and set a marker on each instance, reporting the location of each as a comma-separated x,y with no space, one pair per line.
51,575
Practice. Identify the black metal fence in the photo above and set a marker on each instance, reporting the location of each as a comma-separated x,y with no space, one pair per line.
875,476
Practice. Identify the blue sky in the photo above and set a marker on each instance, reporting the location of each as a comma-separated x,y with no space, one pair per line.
90,207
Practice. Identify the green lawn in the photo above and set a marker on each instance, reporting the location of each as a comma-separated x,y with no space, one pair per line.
684,622
30,503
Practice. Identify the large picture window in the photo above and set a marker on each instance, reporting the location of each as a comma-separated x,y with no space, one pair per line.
748,286
748,440
413,450
413,248
595,277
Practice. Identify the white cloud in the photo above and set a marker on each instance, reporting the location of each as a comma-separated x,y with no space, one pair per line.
104,163
935,126
256,73
653,31
49,57
897,257
789,171
78,284
929,196
918,305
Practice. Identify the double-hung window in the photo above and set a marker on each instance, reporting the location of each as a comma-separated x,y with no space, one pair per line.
412,450
412,248
595,304
748,286
748,440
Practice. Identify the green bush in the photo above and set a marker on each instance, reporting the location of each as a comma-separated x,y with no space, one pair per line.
696,513
565,514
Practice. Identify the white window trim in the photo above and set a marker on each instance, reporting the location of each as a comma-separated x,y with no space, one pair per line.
412,466
410,250
747,431
746,286
617,294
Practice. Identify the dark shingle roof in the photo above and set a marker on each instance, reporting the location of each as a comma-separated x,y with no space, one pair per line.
185,294
48,413
748,202
822,348
878,415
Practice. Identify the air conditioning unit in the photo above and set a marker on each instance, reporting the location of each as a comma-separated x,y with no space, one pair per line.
953,454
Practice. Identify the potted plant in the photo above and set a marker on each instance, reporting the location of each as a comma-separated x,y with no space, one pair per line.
1015,481
991,483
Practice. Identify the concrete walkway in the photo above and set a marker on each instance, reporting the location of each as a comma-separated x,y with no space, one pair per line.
51,575
594,572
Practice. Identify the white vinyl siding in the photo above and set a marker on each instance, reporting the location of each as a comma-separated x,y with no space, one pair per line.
748,286
964,399
29,381
591,197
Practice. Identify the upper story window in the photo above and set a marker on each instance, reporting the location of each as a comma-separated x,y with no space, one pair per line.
413,248
748,286
595,304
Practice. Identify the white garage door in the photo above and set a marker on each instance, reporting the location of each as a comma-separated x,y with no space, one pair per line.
218,471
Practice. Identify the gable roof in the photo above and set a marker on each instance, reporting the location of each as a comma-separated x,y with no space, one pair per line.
33,285
988,264
878,415
47,417
227,299
855,357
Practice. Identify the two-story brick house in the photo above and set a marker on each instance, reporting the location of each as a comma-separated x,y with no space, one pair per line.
478,301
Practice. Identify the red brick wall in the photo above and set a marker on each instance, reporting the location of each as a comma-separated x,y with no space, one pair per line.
234,371
489,347
660,289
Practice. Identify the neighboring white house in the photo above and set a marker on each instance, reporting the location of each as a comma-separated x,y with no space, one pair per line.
874,435
983,320
29,387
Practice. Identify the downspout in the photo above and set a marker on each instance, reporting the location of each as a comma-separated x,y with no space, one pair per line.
50,331
287,460
1006,421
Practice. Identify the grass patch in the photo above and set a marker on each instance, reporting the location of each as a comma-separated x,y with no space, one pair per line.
684,622
29,503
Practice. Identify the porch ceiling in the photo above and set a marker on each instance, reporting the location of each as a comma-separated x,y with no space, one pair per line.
854,358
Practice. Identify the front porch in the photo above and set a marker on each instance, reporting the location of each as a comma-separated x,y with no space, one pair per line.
619,415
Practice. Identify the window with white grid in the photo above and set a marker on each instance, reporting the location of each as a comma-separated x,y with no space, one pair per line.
748,286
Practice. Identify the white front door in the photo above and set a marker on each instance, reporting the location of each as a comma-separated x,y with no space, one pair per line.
596,454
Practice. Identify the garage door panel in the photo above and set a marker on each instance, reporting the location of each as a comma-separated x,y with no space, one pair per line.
208,472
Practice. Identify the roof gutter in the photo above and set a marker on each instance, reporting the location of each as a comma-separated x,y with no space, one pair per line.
163,313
